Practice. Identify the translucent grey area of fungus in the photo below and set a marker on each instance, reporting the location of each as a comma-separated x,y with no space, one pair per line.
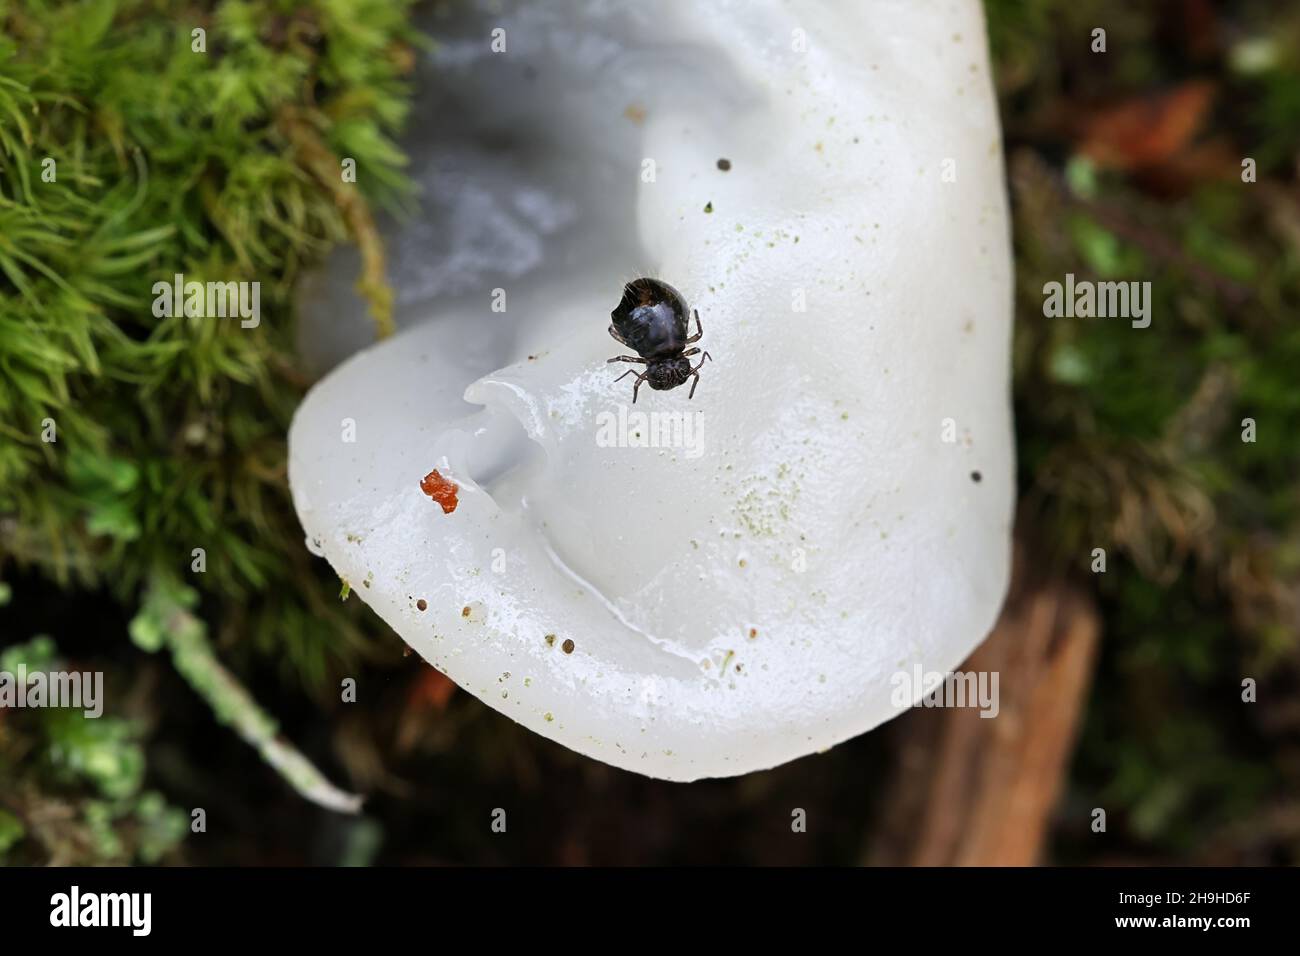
750,595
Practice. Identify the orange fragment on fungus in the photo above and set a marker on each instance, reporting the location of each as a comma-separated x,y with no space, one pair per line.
440,490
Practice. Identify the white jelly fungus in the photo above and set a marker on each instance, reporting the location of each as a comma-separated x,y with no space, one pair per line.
688,588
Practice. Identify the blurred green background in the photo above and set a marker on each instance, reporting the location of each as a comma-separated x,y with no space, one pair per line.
1126,164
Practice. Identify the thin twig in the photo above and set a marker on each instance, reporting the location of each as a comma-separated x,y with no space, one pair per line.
164,620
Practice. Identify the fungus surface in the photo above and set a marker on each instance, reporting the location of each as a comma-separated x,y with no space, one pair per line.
708,587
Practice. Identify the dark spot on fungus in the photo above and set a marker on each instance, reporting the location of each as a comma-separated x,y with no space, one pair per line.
567,646
440,490
422,604
708,206
724,164
976,477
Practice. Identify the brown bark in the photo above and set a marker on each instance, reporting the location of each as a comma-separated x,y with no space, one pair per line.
977,791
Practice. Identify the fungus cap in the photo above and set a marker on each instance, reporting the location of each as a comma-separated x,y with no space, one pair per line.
833,508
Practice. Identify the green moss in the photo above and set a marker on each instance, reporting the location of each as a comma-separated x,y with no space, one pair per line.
73,789
127,440
11,831
1132,439
220,165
